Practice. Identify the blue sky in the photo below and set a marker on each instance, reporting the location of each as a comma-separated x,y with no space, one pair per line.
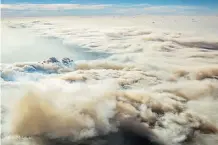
108,7
153,2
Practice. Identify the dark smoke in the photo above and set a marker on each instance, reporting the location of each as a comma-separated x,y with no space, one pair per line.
130,132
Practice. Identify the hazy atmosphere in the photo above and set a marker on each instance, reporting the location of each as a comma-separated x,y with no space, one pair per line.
71,71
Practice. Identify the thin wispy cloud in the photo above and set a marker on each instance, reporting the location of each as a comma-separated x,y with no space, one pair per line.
104,9
51,6
164,9
169,9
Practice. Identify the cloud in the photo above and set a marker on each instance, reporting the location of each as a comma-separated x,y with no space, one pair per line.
101,9
171,9
51,7
168,9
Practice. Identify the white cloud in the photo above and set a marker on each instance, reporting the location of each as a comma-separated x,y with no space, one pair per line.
169,9
51,6
151,9
104,9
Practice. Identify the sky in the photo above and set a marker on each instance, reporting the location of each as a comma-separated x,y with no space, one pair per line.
108,7
154,2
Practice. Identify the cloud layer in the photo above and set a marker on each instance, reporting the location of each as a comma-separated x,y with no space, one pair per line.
50,6
100,9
